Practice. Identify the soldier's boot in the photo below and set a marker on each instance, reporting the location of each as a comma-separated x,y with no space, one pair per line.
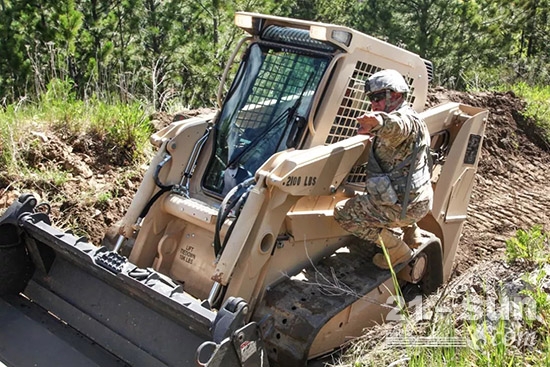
397,250
412,236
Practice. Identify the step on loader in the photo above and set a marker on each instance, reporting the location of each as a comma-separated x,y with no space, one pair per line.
229,254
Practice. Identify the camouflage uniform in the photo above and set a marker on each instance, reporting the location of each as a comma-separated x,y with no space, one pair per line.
391,158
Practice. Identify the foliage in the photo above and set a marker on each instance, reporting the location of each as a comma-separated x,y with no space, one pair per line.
173,53
536,292
529,246
123,128
10,126
538,105
149,50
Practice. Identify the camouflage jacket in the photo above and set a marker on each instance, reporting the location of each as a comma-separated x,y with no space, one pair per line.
401,142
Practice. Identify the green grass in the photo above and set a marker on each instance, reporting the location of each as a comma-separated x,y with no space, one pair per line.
55,178
529,246
119,126
122,125
493,336
538,105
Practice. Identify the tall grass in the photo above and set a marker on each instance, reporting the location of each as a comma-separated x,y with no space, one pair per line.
124,126
10,125
480,331
538,105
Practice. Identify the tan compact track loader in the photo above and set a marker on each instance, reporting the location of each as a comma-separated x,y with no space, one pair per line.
229,254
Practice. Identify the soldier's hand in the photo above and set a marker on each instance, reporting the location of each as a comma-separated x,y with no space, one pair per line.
367,122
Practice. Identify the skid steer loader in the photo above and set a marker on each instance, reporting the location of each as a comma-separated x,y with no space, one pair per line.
229,254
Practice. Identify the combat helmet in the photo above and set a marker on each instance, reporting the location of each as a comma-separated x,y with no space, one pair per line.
388,79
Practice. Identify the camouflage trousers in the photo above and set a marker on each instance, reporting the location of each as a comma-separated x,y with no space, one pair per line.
366,218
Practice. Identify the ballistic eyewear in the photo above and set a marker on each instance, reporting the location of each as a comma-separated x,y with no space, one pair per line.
377,97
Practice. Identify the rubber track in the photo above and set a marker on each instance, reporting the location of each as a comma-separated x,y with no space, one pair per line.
295,310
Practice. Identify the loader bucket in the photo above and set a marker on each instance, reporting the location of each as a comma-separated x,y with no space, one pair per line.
139,315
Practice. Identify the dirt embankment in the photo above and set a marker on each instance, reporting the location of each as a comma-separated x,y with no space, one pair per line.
511,191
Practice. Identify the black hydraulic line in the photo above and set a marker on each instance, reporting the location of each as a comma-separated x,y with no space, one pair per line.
225,209
222,215
239,207
166,159
153,199
163,188
228,203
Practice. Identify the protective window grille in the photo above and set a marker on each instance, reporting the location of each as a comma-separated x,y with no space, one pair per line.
354,104
259,117
280,82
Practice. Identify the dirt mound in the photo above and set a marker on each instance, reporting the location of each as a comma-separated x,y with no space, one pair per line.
90,194
511,189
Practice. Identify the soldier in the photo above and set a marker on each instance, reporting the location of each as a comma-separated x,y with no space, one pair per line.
398,190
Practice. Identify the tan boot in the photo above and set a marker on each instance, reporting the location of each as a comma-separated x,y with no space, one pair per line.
398,251
412,236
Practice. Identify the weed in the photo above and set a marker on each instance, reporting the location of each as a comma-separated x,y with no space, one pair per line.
536,291
538,105
49,178
123,126
104,197
529,246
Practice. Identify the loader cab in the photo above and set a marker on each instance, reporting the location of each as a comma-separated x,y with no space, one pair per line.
295,95
267,106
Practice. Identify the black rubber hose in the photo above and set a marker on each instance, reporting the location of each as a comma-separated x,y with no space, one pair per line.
163,188
153,199
230,200
157,171
225,209
239,206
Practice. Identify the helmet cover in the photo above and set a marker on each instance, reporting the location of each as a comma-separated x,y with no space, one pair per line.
388,79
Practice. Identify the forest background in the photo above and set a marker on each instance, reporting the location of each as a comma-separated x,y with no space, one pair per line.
170,54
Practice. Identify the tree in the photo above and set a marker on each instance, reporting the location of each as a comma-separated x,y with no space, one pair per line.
24,26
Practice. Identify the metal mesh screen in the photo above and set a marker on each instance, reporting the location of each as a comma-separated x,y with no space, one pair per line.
260,115
353,105
282,78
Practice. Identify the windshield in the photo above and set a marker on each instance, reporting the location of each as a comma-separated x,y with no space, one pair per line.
265,112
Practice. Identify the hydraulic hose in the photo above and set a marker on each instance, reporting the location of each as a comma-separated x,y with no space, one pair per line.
228,203
166,159
239,207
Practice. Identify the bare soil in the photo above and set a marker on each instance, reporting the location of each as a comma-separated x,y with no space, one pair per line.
511,192
512,188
